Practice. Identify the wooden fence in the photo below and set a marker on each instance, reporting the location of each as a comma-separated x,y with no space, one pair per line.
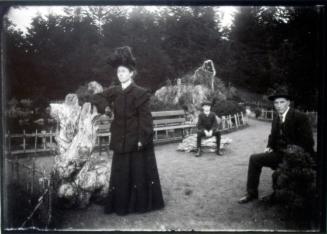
233,122
266,115
41,141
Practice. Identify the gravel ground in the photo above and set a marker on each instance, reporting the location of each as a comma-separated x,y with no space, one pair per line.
200,193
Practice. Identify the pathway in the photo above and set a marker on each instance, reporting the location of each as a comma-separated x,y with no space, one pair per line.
200,193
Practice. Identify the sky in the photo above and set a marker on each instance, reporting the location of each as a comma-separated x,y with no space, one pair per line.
22,16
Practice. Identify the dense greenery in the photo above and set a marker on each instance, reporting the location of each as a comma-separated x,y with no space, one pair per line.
295,183
264,46
227,107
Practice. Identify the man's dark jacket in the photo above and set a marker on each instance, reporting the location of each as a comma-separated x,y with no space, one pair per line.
207,122
132,117
297,131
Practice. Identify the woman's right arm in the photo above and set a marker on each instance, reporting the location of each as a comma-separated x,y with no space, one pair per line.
102,100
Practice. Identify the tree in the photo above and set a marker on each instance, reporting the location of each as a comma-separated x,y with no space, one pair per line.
302,47
274,45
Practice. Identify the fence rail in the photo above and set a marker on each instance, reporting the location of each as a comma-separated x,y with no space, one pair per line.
233,121
42,141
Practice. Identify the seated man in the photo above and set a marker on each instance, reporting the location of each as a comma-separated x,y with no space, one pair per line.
207,127
290,127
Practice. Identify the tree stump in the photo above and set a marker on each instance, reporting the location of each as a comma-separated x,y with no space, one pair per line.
80,173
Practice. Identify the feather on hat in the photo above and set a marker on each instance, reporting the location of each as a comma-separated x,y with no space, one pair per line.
122,56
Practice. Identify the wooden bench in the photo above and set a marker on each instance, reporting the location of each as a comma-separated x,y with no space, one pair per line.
168,122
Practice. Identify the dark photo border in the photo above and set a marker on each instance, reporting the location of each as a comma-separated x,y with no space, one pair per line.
321,130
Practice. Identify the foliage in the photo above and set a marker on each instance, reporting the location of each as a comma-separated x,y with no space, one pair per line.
227,107
265,45
286,53
20,205
257,112
157,105
23,115
295,182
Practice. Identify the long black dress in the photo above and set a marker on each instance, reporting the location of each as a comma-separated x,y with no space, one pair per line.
134,180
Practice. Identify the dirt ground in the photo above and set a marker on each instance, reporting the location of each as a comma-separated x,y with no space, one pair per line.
200,194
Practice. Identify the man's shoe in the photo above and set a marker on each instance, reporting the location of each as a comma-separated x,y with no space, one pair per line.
219,153
198,153
270,199
247,198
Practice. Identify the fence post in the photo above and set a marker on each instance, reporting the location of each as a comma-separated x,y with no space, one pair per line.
100,144
44,138
156,135
50,184
24,141
9,143
236,121
17,168
51,136
33,175
35,142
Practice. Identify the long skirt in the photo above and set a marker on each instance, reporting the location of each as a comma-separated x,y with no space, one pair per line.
134,183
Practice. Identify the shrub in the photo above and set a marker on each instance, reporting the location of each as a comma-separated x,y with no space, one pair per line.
257,112
295,182
227,107
157,105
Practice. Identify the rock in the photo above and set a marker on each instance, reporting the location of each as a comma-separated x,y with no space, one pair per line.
208,144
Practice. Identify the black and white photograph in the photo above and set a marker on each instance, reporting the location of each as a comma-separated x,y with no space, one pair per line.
163,117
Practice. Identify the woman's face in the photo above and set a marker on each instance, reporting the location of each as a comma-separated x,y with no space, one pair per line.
124,74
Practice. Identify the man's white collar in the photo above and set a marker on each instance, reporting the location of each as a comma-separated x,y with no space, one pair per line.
284,114
126,84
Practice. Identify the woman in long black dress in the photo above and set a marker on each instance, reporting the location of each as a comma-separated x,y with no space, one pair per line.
134,179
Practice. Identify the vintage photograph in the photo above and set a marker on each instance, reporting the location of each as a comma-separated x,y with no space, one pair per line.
162,118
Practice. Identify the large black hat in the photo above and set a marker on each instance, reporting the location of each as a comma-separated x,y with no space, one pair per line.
122,56
279,92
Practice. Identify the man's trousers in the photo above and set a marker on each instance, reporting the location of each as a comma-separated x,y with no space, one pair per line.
201,135
256,162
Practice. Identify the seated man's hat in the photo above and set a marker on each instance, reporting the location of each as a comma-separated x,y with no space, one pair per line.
206,103
122,56
280,92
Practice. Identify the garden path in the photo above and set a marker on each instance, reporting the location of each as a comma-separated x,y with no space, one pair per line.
200,193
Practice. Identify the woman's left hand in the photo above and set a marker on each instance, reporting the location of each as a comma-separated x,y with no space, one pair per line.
139,145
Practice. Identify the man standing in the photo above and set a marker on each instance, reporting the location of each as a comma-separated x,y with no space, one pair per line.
207,127
289,128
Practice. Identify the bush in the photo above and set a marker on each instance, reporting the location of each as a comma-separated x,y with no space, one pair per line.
157,105
227,107
20,205
295,182
257,112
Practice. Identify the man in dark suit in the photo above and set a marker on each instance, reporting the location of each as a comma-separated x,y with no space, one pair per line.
207,127
290,127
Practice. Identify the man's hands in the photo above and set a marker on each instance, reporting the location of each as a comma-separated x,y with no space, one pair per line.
208,133
267,150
